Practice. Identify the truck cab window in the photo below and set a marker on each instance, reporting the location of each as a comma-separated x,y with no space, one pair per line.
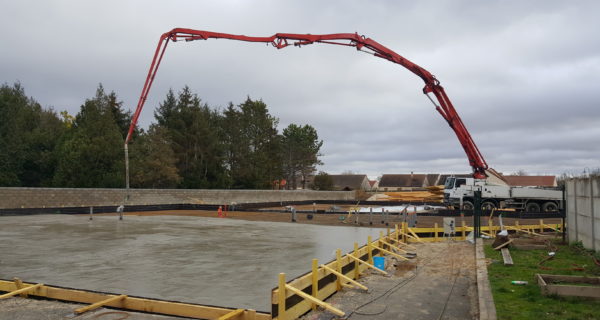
449,183
460,182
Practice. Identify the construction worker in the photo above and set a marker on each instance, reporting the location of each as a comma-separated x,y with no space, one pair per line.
220,212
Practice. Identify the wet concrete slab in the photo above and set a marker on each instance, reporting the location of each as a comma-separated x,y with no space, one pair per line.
212,261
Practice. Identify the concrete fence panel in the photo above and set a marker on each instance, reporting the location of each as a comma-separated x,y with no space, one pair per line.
11,198
583,211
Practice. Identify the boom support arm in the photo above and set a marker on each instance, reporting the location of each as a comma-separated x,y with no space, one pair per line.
281,40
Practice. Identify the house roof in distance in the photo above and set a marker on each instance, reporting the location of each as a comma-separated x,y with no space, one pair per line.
351,181
402,180
531,181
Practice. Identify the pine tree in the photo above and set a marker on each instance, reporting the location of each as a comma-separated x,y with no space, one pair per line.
301,146
153,162
91,153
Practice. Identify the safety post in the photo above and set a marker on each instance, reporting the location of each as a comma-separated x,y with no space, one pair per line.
396,232
435,232
338,266
379,243
281,298
491,227
370,249
356,263
315,280
541,225
464,230
91,213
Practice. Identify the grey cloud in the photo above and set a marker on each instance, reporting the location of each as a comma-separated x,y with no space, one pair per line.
524,76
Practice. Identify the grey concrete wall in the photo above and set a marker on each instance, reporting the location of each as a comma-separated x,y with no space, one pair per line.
72,197
583,211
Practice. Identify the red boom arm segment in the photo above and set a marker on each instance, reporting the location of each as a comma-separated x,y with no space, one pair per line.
280,41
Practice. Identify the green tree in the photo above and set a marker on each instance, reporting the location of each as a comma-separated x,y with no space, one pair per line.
322,181
195,132
91,153
301,147
153,162
253,145
28,135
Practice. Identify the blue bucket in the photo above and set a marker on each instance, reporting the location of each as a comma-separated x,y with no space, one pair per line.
379,262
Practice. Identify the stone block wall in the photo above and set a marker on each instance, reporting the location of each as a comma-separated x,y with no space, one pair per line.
11,198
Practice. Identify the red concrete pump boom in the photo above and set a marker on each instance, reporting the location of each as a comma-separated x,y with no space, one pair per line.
280,41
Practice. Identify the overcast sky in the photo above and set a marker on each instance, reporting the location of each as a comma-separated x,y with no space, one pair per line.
523,75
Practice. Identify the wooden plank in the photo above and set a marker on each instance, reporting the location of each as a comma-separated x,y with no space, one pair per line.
399,242
19,285
367,264
100,304
391,253
306,280
232,314
310,298
506,257
393,246
414,235
341,276
504,244
155,306
571,279
548,288
26,289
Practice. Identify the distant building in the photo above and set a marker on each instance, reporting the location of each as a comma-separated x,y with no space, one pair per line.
531,181
407,182
349,182
373,185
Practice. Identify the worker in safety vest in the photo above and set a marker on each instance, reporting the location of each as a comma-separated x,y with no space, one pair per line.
220,212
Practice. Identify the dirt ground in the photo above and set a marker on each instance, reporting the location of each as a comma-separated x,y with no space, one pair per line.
333,219
439,284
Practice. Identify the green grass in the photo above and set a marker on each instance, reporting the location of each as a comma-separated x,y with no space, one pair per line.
526,302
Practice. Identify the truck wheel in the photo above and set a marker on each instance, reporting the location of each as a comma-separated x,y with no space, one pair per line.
549,207
532,207
468,205
488,205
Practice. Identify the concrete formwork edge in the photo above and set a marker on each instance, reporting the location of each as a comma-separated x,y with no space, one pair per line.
487,308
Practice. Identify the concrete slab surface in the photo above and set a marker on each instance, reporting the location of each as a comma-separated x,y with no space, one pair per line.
223,262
